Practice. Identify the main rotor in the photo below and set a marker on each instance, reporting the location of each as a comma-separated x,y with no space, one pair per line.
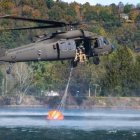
49,23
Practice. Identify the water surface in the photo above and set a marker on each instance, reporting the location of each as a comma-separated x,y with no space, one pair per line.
98,124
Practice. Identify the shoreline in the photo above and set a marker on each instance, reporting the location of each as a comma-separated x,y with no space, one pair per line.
81,108
72,103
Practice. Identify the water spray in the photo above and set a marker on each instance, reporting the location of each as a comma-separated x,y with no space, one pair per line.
57,114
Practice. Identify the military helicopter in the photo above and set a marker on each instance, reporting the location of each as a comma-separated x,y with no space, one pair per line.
74,45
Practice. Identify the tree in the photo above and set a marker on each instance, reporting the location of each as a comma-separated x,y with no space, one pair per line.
56,13
133,15
6,6
121,7
23,76
127,8
138,18
50,3
90,15
119,78
114,9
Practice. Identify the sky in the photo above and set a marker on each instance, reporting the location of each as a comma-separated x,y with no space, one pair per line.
105,2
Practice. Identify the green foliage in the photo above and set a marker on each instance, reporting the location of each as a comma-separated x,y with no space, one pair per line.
127,8
49,3
7,40
56,13
50,76
138,18
105,16
90,15
71,12
120,77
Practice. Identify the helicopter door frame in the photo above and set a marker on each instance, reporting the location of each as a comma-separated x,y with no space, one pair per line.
58,51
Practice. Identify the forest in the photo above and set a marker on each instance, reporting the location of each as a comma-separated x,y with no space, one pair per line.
118,74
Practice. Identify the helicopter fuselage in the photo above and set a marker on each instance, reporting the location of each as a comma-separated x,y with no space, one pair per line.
59,46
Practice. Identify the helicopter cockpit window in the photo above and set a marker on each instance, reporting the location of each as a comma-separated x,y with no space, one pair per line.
105,41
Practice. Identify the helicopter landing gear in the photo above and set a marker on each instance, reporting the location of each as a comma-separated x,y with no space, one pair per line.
8,71
96,60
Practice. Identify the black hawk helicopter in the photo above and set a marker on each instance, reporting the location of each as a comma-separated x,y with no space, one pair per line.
76,45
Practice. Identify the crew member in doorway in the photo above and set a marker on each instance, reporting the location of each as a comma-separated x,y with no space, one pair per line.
82,55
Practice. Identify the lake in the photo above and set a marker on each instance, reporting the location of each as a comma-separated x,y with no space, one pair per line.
96,124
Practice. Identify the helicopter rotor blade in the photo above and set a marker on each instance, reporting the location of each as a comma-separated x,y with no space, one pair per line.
29,28
51,24
34,20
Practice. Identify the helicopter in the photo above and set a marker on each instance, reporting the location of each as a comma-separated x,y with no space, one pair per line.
75,45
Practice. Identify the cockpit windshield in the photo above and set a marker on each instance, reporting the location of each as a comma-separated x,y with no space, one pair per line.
105,41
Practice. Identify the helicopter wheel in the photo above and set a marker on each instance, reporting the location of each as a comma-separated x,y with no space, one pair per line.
96,60
74,63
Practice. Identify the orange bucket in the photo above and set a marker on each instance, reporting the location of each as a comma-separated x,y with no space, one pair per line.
55,115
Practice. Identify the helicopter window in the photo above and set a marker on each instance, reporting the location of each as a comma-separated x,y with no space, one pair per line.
67,45
62,46
71,45
105,41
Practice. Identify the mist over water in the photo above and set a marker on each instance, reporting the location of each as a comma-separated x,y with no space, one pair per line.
106,122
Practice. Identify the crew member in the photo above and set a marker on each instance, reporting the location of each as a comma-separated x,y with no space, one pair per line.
82,55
